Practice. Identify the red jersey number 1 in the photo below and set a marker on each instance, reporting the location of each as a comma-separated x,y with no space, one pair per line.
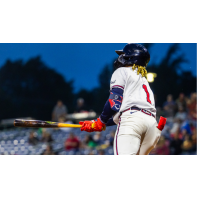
145,89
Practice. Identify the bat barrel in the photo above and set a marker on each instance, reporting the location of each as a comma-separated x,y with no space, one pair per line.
43,124
34,123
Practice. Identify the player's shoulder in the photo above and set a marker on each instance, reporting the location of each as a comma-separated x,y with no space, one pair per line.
145,81
121,71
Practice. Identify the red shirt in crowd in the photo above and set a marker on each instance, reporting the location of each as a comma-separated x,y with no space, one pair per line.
71,143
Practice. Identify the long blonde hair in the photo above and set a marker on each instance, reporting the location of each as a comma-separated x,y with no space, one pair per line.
141,70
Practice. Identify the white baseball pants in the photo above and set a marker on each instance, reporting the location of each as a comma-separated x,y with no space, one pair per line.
136,134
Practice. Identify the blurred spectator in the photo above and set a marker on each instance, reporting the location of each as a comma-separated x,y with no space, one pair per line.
97,138
169,106
101,152
176,144
162,147
72,143
181,102
33,140
192,106
181,114
49,151
91,152
46,137
60,110
80,106
111,139
88,142
187,144
194,140
183,133
65,120
185,128
176,126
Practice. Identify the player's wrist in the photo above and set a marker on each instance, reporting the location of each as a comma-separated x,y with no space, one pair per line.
98,125
101,120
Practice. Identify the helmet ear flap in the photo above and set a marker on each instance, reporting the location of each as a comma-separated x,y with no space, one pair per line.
118,64
121,59
126,60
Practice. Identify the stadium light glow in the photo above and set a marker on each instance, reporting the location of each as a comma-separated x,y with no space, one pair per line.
150,77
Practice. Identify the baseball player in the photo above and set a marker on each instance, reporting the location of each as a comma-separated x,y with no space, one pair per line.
130,105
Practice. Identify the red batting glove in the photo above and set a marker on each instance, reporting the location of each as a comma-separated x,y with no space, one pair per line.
161,123
98,125
91,126
86,126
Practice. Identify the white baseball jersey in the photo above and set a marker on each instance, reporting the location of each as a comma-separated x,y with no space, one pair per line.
137,91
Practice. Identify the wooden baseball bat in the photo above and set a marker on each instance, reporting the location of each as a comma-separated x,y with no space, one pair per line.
43,124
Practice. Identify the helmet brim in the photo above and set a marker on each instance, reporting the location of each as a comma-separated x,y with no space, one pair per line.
119,52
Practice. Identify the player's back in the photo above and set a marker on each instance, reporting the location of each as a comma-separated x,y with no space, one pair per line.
137,92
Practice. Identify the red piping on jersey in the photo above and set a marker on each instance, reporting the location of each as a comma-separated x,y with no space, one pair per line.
146,112
117,135
117,86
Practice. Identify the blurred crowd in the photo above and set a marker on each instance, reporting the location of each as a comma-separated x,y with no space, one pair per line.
179,136
180,133
73,144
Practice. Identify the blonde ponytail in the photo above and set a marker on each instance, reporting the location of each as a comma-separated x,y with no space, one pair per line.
141,70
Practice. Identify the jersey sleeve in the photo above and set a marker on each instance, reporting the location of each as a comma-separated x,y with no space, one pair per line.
118,79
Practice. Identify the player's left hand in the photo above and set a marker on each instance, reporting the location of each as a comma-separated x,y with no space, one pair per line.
86,126
91,126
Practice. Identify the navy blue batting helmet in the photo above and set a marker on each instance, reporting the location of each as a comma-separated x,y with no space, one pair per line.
132,54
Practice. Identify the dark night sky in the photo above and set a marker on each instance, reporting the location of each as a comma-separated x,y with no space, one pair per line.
82,62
